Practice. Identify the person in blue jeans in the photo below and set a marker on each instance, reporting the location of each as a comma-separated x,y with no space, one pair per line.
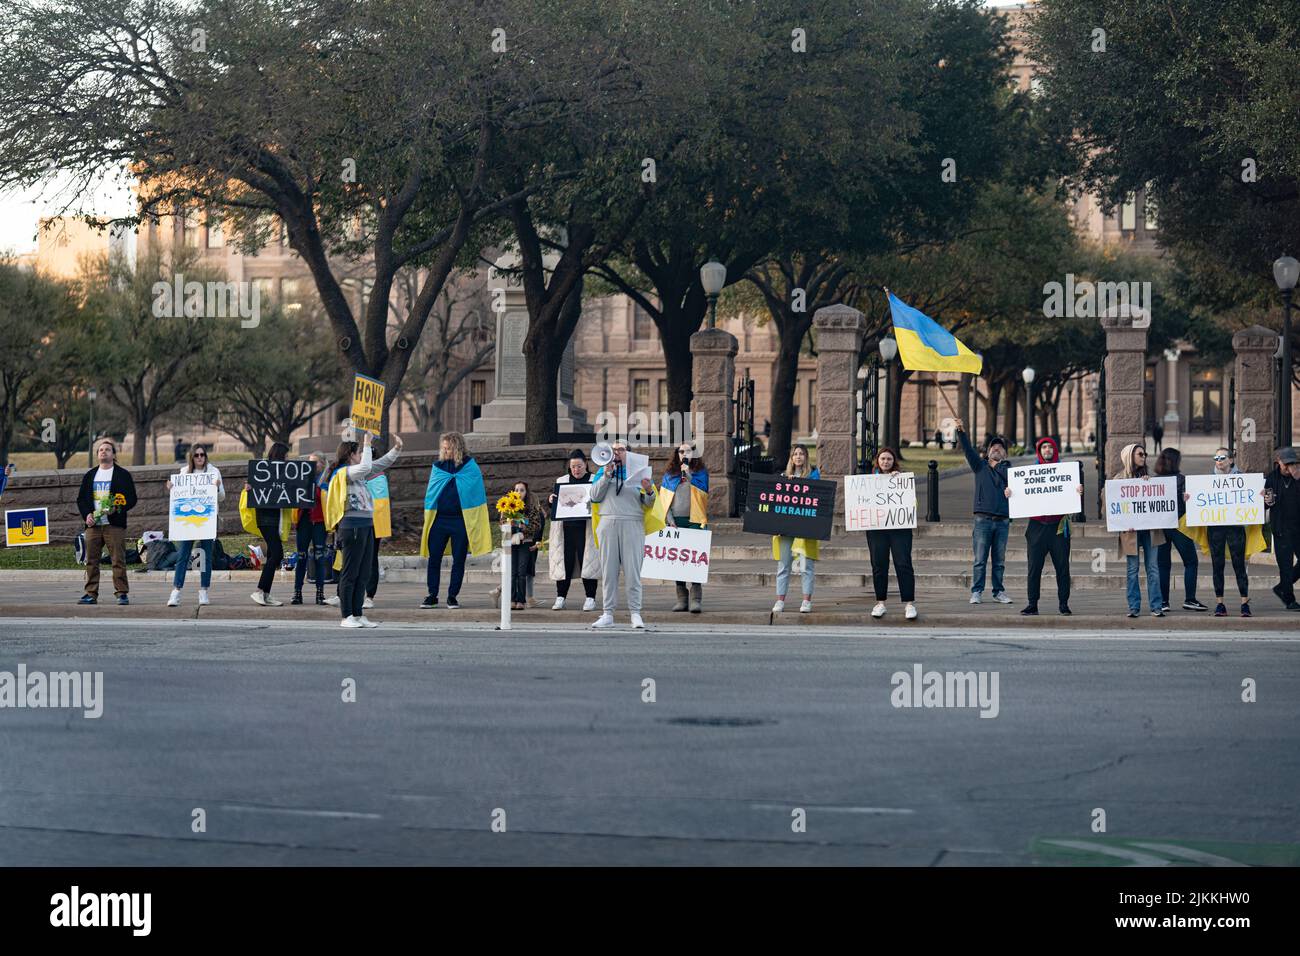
992,513
448,525
1139,546
196,463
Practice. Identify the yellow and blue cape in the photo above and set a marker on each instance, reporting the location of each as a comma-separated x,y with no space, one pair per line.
379,496
653,520
699,497
926,346
473,506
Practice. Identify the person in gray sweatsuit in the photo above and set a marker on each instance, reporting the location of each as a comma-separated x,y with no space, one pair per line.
622,535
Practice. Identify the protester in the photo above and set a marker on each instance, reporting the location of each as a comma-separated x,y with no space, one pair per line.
1234,537
106,495
1168,465
620,528
992,514
1048,535
352,514
455,517
530,526
1282,496
1137,546
785,548
571,550
685,504
882,543
310,536
196,462
272,528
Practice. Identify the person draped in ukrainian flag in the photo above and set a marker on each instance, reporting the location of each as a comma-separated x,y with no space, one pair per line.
455,517
685,504
622,514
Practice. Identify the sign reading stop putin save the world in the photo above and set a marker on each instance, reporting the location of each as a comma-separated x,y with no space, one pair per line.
1225,500
368,405
1141,504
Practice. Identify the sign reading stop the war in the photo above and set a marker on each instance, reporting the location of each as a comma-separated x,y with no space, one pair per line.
368,405
281,484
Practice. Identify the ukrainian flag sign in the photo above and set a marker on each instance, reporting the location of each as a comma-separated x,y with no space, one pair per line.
926,346
29,526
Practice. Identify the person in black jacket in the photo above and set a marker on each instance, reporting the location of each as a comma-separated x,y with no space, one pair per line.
1168,465
992,514
107,493
1282,496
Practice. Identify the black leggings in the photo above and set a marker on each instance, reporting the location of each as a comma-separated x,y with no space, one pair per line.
274,553
1234,536
898,543
1042,539
311,546
575,549
373,586
358,543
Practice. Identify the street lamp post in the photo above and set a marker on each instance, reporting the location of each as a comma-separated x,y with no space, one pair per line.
1286,271
92,395
888,352
1028,376
1069,413
713,276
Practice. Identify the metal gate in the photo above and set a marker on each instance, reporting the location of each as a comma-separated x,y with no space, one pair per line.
744,449
1100,412
868,413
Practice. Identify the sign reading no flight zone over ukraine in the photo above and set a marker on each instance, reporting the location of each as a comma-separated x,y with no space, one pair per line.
28,526
368,405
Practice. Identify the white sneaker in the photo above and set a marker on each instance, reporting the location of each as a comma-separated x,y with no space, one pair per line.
910,612
605,620
332,600
272,602
351,622
589,604
366,622
175,599
258,598
1001,597
495,594
779,606
976,597
558,605
805,607
367,604
878,610
203,597
637,622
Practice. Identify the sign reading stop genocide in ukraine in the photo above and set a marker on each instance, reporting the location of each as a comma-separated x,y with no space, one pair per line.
799,507
677,554
1225,499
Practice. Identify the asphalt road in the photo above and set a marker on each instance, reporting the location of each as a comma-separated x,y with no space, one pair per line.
246,721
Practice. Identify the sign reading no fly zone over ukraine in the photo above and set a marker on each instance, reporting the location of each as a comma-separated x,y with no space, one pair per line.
368,405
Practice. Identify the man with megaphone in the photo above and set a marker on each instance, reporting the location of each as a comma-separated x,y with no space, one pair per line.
619,509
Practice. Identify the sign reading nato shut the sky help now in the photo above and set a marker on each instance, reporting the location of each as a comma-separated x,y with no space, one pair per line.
1225,499
1043,490
879,502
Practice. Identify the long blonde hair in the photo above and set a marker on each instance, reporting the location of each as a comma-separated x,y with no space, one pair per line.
458,450
189,457
807,463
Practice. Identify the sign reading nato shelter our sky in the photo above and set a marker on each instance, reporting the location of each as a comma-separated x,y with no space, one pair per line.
677,554
879,502
1225,499
1137,504
368,404
1043,490
800,507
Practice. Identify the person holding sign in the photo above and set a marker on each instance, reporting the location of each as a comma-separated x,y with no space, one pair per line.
1282,497
685,504
272,528
572,549
1048,535
785,548
1237,542
350,510
992,514
620,514
895,542
1137,546
1168,465
196,463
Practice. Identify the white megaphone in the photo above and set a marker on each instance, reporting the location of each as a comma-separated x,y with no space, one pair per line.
602,453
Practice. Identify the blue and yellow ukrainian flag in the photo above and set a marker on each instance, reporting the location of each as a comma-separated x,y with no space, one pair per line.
699,497
28,526
473,506
926,346
383,503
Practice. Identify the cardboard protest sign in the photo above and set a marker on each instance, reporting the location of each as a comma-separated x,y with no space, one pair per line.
368,404
1225,499
1136,504
281,484
677,554
1043,490
799,507
572,502
192,508
27,526
879,502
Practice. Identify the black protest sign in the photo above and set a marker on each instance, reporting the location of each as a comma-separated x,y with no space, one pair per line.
281,484
798,507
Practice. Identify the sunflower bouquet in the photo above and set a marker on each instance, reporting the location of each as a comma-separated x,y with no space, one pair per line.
510,506
109,505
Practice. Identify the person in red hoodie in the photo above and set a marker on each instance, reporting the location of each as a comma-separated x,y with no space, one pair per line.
1048,534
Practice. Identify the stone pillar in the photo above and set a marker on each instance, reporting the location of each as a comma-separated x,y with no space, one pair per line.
1126,351
1172,425
713,359
1256,397
839,330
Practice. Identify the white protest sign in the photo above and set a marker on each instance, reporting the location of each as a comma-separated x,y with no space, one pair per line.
1225,499
879,502
1137,504
192,509
677,554
636,467
1043,490
572,501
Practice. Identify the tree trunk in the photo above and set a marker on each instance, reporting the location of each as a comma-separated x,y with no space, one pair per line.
1010,418
139,435
895,423
541,385
784,382
675,336
991,411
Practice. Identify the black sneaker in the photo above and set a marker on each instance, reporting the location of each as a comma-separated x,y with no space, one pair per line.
1245,610
123,599
1194,606
1277,589
452,604
1166,608
88,599
1293,606
1132,613
1159,613
1065,609
297,598
429,601
1029,609
1220,610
